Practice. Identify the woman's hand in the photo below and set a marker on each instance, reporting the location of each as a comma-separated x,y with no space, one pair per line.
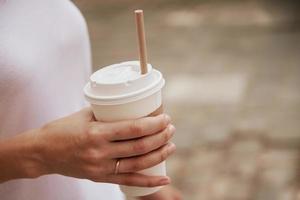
79,146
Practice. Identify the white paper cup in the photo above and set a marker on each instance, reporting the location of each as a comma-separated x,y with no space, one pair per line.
115,97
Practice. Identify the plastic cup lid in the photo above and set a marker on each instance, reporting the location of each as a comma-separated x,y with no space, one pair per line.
122,83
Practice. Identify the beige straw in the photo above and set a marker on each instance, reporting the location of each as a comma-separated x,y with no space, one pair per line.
139,18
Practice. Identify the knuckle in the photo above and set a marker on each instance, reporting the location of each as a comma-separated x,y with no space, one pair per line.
135,166
93,133
104,153
136,127
92,155
150,183
140,147
166,135
92,130
163,123
118,133
127,181
163,156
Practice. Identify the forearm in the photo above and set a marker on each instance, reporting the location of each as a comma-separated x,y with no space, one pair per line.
20,157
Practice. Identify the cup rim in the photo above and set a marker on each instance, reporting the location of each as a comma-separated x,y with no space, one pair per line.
126,98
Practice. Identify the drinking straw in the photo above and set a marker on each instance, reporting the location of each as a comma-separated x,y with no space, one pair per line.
139,18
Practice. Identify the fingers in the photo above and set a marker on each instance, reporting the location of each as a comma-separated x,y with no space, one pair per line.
130,129
142,145
143,162
135,179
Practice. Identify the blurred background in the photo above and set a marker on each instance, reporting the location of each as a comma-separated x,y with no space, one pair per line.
233,88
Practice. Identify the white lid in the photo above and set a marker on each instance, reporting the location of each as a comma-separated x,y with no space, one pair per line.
122,83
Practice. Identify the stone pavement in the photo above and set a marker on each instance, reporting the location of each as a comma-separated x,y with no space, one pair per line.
233,89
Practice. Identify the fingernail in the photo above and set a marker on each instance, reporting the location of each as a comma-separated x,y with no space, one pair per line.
171,147
165,181
167,118
171,129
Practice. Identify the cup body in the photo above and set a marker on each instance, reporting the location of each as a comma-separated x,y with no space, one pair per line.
133,110
140,106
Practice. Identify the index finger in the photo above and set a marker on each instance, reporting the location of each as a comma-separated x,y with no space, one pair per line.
130,129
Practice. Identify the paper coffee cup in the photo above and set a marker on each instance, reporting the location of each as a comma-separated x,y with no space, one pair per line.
120,92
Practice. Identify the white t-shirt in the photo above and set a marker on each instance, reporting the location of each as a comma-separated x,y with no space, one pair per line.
44,63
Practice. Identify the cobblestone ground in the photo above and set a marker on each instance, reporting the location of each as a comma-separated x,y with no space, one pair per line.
233,89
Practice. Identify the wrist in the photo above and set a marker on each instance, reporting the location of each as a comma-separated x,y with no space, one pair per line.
26,150
34,163
20,157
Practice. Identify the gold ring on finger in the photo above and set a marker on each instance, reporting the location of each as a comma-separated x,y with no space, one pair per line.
117,166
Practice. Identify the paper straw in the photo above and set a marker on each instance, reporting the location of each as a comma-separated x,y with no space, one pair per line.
139,18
